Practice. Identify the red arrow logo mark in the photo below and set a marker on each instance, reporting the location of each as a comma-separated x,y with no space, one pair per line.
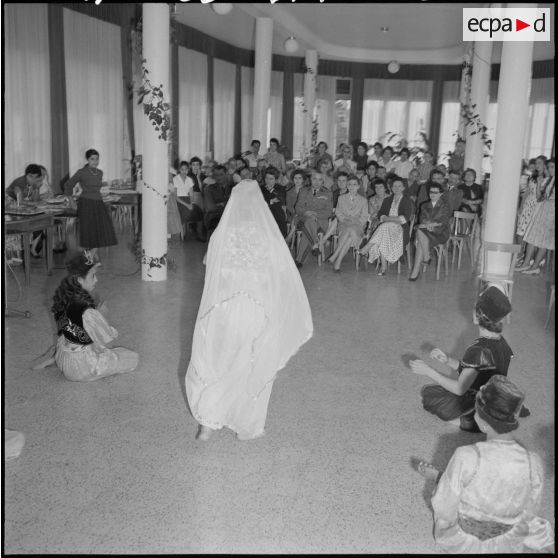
519,25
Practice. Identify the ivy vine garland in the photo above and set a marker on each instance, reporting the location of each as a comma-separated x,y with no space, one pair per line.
155,107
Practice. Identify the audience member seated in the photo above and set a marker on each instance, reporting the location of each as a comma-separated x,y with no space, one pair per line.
345,163
433,227
361,157
390,238
436,177
473,194
260,171
425,168
444,170
413,184
251,157
215,197
456,160
368,178
190,211
321,155
298,181
275,197
388,160
403,166
453,195
351,215
274,158
377,154
326,170
382,172
27,186
375,203
313,209
197,178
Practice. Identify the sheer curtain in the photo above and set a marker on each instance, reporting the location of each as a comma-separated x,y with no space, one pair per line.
298,128
450,119
94,91
192,103
395,106
247,100
27,89
224,77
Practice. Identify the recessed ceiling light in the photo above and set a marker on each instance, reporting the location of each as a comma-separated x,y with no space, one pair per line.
384,29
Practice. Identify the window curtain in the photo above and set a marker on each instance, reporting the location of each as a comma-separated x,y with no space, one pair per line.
27,89
275,112
247,102
450,119
223,115
95,97
394,106
192,103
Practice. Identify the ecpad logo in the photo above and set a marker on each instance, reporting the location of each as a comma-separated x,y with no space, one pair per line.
506,24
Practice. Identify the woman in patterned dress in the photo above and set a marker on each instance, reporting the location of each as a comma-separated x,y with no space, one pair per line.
528,206
392,235
540,232
351,213
95,224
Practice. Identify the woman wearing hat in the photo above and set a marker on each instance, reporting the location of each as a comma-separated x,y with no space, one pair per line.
84,333
487,498
453,396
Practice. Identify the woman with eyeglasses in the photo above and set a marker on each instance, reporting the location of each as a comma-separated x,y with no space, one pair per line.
433,228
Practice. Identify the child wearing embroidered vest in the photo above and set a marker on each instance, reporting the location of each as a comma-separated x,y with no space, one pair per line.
82,351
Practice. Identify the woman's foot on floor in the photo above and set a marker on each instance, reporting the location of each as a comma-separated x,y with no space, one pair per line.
204,433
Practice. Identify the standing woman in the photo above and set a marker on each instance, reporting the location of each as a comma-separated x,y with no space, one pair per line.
95,224
253,316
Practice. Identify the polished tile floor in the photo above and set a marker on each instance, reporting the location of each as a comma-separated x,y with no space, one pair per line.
113,466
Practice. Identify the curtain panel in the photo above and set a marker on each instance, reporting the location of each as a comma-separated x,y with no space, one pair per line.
247,108
95,96
223,110
27,124
192,104
400,107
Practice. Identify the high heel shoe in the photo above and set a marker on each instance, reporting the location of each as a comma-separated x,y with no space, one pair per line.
417,276
533,271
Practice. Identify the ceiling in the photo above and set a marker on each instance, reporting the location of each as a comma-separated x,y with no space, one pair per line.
419,33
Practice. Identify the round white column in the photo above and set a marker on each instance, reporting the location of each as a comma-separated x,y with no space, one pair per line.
480,83
262,78
156,51
309,94
513,111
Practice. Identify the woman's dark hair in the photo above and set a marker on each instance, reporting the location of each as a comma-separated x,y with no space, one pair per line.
272,170
195,160
323,143
405,150
353,177
33,169
378,144
254,141
436,186
489,325
383,183
395,179
275,141
90,153
437,171
544,160
372,164
388,147
69,291
363,144
182,163
301,172
469,169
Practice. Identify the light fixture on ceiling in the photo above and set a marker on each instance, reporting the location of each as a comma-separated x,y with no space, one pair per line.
393,67
384,29
222,8
291,45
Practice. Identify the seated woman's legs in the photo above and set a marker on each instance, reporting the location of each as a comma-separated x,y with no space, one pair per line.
345,242
329,233
422,253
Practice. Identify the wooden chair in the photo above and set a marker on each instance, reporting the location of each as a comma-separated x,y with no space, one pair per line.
505,278
441,251
463,231
551,300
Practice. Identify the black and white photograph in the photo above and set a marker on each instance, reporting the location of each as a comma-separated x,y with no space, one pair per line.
279,278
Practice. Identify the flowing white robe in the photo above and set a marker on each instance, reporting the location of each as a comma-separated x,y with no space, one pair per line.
254,315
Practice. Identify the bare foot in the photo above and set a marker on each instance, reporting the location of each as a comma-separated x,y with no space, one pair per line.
427,470
204,433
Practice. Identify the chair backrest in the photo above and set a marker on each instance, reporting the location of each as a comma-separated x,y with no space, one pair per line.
496,247
464,223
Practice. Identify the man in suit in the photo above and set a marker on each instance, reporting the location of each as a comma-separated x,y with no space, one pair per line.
276,198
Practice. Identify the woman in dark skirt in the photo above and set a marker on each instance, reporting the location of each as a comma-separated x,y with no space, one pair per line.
433,228
453,395
95,223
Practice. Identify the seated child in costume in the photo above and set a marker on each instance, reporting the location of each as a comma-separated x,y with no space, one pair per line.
453,397
487,499
82,351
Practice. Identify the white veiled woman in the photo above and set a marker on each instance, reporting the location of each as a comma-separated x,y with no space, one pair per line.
254,315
